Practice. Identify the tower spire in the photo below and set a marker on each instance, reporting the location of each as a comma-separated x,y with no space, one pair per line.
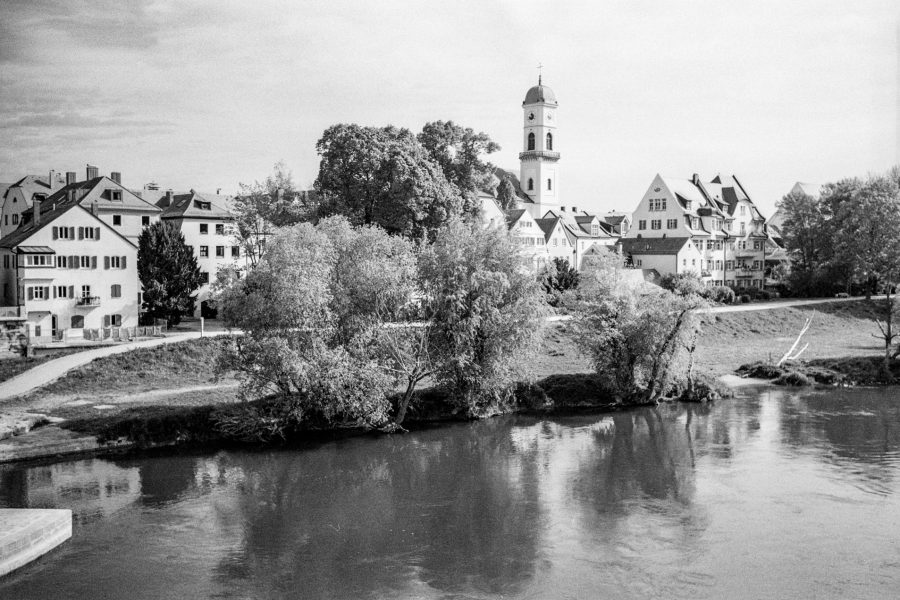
540,72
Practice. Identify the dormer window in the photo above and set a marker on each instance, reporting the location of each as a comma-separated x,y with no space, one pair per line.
115,195
202,205
595,230
687,205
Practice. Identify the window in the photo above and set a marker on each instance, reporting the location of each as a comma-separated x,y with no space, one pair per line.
6,219
89,233
145,221
85,291
549,184
220,251
204,251
204,228
88,262
549,141
64,233
755,265
709,244
757,245
657,204
204,276
235,251
638,262
595,229
77,321
112,320
62,291
38,292
115,195
695,223
743,209
531,141
15,219
743,228
656,224
115,291
530,184
38,260
671,223
556,241
114,262
117,220
6,261
642,224
220,229
728,264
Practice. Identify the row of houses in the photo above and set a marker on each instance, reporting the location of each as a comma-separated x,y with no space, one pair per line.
68,248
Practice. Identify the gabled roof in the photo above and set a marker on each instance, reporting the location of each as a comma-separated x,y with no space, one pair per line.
194,206
93,191
668,245
28,229
30,185
513,215
548,225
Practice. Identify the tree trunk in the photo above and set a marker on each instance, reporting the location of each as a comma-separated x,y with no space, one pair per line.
404,402
888,331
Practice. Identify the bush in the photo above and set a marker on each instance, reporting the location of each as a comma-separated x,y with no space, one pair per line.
745,298
721,294
793,378
683,284
764,295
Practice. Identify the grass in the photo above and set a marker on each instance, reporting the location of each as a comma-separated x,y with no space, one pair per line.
10,367
168,366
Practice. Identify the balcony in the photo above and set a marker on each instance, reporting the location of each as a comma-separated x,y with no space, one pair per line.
535,154
745,272
88,301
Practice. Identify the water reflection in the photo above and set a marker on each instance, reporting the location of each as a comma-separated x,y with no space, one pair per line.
675,501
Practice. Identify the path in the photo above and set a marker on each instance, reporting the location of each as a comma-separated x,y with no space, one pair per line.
56,368
771,305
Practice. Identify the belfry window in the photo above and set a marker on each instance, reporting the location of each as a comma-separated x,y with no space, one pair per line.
549,184
549,141
531,141
531,185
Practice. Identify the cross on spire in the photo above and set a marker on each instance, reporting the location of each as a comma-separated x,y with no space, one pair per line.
540,71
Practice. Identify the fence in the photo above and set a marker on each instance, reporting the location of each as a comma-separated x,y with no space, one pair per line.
121,333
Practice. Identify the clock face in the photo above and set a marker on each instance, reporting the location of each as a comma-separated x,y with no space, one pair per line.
531,117
549,116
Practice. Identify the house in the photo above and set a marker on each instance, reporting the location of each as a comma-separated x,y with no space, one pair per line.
533,239
208,228
105,197
717,218
67,271
18,197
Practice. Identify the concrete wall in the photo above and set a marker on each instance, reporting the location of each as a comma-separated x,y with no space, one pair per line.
26,534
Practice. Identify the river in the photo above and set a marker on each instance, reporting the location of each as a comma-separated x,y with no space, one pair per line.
774,494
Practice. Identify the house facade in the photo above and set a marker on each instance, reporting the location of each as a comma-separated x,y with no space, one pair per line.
67,272
718,218
208,228
17,199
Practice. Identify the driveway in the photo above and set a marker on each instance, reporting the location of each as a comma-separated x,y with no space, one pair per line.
56,368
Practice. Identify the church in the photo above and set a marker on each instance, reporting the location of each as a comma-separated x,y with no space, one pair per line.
548,227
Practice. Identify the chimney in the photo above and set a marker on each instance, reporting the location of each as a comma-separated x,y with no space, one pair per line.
70,177
36,207
167,202
218,191
695,179
92,172
51,179
574,209
116,176
94,208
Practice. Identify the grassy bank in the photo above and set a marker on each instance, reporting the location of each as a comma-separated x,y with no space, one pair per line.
16,365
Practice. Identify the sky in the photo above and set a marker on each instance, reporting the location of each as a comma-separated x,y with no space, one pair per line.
206,94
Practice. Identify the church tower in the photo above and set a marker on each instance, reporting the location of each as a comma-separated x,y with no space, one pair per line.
538,172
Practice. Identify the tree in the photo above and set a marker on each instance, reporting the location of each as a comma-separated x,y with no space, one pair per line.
558,278
506,194
640,342
487,313
262,206
168,272
458,150
382,176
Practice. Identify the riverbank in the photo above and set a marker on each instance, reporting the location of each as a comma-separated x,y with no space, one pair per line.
172,395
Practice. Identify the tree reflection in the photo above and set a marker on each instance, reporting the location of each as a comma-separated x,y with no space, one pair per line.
357,518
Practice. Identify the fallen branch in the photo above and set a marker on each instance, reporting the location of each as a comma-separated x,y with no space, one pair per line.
793,353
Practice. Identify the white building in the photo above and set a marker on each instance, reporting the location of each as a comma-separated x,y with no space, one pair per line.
718,218
67,271
207,226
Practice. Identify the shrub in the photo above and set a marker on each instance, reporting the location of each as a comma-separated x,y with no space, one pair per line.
842,295
745,298
683,284
793,378
720,294
764,295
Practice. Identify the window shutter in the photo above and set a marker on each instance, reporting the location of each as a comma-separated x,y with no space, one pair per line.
55,232
93,262
123,262
96,233
54,291
31,293
71,233
106,320
70,261
71,291
47,291
106,262
81,233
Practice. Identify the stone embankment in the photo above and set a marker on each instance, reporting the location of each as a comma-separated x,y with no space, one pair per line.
26,534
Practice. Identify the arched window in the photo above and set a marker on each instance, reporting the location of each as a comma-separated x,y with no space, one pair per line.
531,185
531,141
77,321
549,184
549,141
